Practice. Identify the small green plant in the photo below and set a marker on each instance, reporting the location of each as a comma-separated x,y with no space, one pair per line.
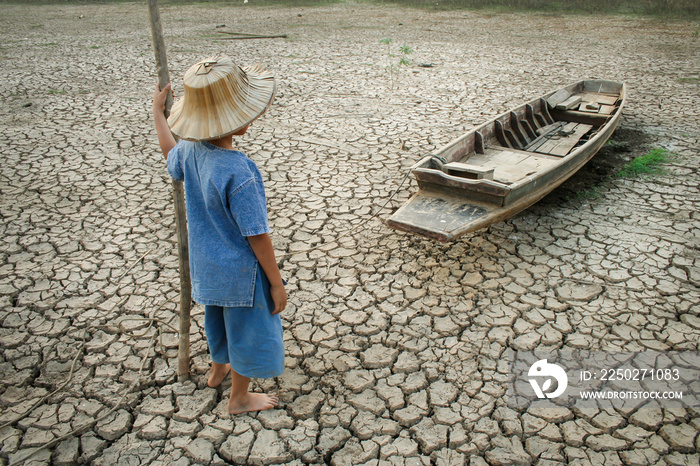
588,194
395,64
647,164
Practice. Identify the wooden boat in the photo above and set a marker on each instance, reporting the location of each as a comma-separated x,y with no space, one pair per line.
504,166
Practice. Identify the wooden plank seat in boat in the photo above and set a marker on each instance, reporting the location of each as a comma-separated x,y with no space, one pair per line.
589,118
582,101
592,108
555,138
467,170
571,102
561,142
520,132
511,165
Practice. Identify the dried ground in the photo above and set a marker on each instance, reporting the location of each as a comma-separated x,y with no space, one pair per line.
395,345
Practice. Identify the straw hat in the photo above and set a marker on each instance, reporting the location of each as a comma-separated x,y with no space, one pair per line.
220,98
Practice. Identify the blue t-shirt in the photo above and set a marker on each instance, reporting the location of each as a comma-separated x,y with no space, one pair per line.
225,204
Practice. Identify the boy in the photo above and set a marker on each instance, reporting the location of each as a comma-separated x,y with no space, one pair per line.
232,262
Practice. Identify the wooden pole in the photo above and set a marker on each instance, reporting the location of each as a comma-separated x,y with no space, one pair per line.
179,201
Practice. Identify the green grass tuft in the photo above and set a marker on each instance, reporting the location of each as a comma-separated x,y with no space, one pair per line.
588,194
647,164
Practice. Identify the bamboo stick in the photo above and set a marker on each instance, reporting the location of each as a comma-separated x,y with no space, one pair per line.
243,35
179,204
280,36
239,33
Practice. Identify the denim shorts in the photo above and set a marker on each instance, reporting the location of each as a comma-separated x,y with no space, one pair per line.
248,338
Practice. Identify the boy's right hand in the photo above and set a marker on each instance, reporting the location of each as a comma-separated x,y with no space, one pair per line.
279,297
165,137
160,96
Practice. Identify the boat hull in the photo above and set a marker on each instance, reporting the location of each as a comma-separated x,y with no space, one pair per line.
448,206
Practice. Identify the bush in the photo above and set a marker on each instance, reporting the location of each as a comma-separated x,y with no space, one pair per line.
674,8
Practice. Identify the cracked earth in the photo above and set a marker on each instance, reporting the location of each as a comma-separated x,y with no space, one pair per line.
395,344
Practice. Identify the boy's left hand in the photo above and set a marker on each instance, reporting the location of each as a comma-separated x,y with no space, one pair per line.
279,297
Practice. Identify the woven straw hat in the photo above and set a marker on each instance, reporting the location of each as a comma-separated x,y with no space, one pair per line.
220,98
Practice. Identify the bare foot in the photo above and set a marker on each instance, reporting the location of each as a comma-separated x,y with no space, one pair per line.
252,402
217,373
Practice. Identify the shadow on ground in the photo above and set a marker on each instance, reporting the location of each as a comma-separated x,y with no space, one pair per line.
623,146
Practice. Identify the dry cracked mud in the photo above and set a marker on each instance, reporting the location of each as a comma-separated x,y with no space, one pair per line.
395,344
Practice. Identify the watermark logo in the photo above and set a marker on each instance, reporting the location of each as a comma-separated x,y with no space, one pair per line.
630,380
549,372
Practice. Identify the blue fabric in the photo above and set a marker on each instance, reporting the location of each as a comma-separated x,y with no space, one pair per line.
248,338
225,203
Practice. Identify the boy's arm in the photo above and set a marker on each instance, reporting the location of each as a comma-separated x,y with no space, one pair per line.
265,253
165,137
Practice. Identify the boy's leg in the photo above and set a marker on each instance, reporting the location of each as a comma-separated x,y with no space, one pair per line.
242,401
256,348
214,327
217,374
